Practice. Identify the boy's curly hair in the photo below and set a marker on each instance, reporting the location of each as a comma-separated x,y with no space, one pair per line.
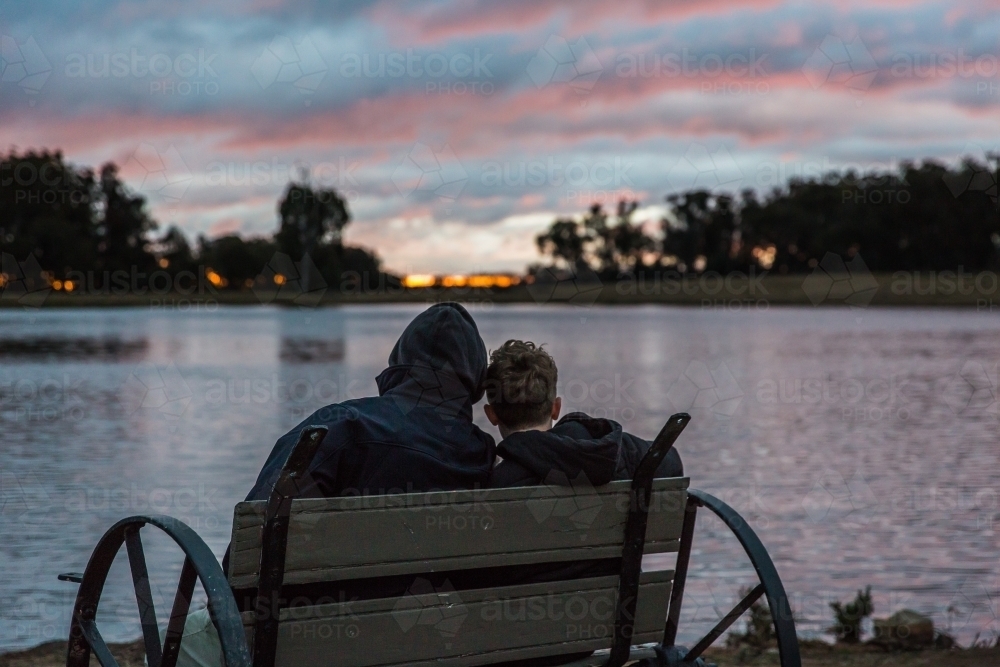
521,383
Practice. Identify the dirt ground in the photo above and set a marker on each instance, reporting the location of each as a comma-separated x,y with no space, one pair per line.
820,654
53,654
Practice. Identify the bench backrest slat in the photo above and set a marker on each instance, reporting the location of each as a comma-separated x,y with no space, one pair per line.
464,628
336,539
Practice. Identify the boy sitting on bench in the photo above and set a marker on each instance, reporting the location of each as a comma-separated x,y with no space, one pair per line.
577,450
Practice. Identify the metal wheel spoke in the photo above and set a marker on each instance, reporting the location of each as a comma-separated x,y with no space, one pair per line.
178,615
724,624
143,596
96,642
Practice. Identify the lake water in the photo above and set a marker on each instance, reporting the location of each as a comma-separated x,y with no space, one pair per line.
862,445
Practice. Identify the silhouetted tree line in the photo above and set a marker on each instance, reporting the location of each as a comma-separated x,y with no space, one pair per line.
927,217
75,221
920,218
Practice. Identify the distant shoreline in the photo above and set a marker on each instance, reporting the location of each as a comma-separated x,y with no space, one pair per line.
979,291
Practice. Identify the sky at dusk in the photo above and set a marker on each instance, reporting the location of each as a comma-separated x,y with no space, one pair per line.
458,130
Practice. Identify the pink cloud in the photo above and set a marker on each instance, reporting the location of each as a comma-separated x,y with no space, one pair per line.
475,19
225,227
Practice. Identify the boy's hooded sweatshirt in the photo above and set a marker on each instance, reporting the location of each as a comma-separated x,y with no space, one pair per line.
577,450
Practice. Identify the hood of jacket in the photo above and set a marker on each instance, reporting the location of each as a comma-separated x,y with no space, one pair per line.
438,362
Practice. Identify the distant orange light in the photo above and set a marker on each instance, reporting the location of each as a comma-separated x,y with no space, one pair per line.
481,281
279,279
493,280
68,286
214,277
454,281
57,284
765,256
419,280
164,262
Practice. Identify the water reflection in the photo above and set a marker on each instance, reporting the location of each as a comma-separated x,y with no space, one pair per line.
54,348
305,350
862,451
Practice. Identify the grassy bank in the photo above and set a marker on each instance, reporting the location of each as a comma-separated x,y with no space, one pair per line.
814,654
735,292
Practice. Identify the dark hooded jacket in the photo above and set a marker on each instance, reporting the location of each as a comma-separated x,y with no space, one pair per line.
597,449
417,434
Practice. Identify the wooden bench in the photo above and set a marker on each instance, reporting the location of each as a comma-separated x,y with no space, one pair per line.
453,579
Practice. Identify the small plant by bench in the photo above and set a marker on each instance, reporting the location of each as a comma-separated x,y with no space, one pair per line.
848,617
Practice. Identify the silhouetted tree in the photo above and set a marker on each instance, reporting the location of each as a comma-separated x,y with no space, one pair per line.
174,250
565,240
703,234
48,209
309,218
123,226
607,244
239,261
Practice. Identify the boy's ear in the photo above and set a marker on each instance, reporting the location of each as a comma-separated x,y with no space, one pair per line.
556,408
491,414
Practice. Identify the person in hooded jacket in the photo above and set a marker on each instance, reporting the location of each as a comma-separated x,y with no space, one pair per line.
417,435
577,451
